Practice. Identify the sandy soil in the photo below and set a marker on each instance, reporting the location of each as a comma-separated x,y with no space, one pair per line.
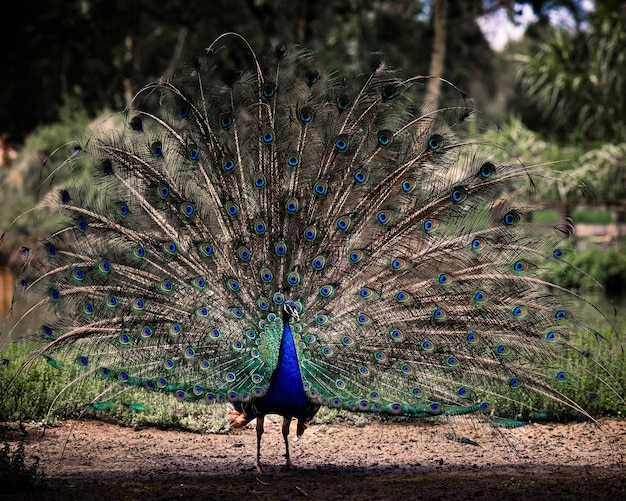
339,461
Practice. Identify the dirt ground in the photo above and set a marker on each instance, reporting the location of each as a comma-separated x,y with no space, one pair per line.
379,461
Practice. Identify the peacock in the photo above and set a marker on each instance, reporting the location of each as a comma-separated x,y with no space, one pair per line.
280,238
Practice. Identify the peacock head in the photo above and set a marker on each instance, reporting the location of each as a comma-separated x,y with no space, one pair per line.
290,310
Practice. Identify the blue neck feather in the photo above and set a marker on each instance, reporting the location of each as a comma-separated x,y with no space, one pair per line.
285,395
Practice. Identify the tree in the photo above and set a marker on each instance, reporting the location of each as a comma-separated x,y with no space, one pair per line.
576,81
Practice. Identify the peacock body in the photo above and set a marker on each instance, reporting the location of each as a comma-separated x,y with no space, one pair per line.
282,239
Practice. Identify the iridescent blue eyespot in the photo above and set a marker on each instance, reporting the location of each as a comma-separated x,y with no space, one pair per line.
269,90
226,120
444,279
472,338
560,315
292,205
77,274
552,336
166,286
321,187
265,274
519,311
408,185
294,278
163,191
311,77
463,392
156,149
459,194
228,164
170,248
260,181
403,297
515,383
428,346
267,136
385,137
122,209
322,319
360,176
193,152
503,350
383,216
243,253
319,262
343,102
511,218
397,335
280,248
398,264
306,114
205,249
452,361
430,225
231,208
327,291
310,233
487,170
435,142
480,297
478,244
341,144
293,160
356,256
343,223
233,285
187,209
520,266
563,376
260,227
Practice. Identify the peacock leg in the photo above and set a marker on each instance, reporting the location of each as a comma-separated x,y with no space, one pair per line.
259,434
286,423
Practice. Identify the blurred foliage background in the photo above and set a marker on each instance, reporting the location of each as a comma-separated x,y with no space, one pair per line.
557,93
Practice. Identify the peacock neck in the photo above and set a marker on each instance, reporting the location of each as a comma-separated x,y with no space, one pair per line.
285,395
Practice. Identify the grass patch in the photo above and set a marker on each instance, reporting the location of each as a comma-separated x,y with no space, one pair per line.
45,393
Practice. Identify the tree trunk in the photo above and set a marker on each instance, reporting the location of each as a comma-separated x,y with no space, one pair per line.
439,16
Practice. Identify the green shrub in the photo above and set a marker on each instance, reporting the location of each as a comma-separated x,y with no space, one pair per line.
15,473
